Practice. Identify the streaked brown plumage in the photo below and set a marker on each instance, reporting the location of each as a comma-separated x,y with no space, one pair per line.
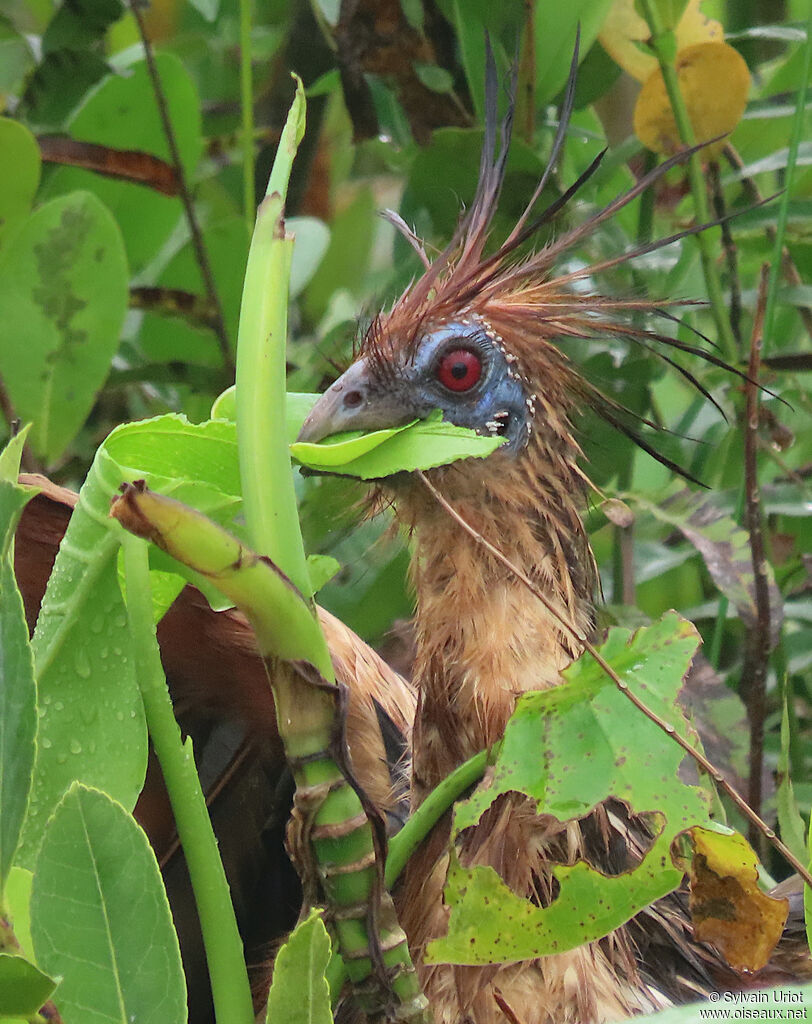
483,337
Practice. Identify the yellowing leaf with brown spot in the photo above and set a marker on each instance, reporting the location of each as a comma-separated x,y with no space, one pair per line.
727,907
623,29
714,82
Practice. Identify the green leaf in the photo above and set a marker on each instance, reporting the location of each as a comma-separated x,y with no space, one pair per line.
299,993
555,28
19,173
23,987
312,242
321,569
79,23
340,449
18,715
63,291
122,113
91,726
592,744
106,929
790,821
16,59
419,445
297,406
17,900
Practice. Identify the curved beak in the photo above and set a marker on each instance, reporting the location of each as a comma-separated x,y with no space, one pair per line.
353,404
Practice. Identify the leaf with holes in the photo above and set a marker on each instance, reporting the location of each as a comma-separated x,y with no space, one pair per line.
591,744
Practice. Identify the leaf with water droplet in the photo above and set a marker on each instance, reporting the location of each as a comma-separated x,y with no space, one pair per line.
130,967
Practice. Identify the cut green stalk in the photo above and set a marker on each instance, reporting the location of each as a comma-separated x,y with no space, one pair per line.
231,990
713,283
332,825
335,829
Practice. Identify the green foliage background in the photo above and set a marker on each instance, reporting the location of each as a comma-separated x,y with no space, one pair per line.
107,315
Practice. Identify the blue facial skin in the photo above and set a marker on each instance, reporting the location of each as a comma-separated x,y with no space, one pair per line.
496,405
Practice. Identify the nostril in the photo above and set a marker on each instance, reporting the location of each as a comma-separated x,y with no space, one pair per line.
353,399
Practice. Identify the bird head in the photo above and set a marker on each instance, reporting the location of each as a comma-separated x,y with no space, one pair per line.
482,336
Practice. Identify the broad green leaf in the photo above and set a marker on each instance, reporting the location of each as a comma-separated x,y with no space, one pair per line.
297,406
587,721
18,715
592,744
16,57
79,23
23,987
725,550
63,291
59,82
299,993
100,918
19,172
121,112
420,445
91,725
340,449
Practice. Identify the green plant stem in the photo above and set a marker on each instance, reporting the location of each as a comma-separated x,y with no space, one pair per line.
423,820
698,191
798,124
247,110
231,990
337,849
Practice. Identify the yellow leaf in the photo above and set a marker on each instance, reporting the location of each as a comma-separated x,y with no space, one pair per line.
714,82
727,907
624,28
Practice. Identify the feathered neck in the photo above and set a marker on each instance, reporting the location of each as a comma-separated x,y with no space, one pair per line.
482,637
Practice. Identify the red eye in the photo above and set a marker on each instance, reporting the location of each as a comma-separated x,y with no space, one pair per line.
459,370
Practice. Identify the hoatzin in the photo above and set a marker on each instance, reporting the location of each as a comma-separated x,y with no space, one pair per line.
481,336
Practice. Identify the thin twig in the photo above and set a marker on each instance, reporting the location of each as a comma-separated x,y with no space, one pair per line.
731,253
757,653
666,727
198,244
